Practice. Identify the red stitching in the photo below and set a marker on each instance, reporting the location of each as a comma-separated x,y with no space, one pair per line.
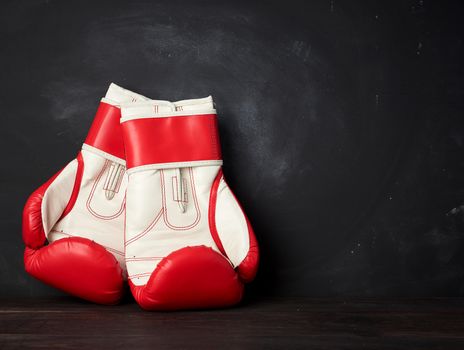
146,258
214,136
140,275
175,190
106,185
174,179
76,187
165,216
113,250
107,248
89,200
144,232
212,213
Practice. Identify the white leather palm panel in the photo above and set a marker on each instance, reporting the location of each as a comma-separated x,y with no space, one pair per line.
156,227
99,210
98,213
57,195
231,225
168,204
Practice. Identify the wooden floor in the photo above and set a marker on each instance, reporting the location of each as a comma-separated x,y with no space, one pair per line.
65,323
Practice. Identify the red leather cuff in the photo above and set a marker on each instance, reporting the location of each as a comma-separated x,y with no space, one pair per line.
105,132
184,138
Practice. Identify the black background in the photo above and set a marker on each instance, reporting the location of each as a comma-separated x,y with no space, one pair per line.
341,125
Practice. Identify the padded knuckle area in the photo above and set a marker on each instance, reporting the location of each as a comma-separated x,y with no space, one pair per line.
79,267
190,278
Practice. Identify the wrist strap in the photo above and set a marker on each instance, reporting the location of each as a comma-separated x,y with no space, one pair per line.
171,140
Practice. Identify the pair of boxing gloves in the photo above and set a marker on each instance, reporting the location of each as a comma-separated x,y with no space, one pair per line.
145,202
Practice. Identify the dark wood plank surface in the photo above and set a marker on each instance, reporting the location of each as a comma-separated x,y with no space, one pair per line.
296,323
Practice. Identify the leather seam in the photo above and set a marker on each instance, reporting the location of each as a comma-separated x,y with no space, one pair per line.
148,229
70,235
175,165
146,258
212,214
194,196
76,187
103,154
92,192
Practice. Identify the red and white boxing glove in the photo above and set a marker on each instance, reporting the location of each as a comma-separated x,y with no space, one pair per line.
80,211
188,242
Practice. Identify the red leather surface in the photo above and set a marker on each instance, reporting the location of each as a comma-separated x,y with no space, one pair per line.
33,231
76,265
171,139
249,266
212,213
76,187
105,132
79,267
190,278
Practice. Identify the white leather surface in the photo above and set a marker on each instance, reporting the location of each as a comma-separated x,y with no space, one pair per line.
156,225
103,154
94,216
162,109
171,165
117,95
57,195
231,225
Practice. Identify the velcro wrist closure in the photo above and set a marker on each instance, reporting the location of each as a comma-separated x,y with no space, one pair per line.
181,138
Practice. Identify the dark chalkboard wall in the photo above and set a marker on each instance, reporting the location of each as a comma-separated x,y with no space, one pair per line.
341,123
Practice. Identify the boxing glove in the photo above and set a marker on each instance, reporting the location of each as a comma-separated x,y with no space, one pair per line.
80,211
188,242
